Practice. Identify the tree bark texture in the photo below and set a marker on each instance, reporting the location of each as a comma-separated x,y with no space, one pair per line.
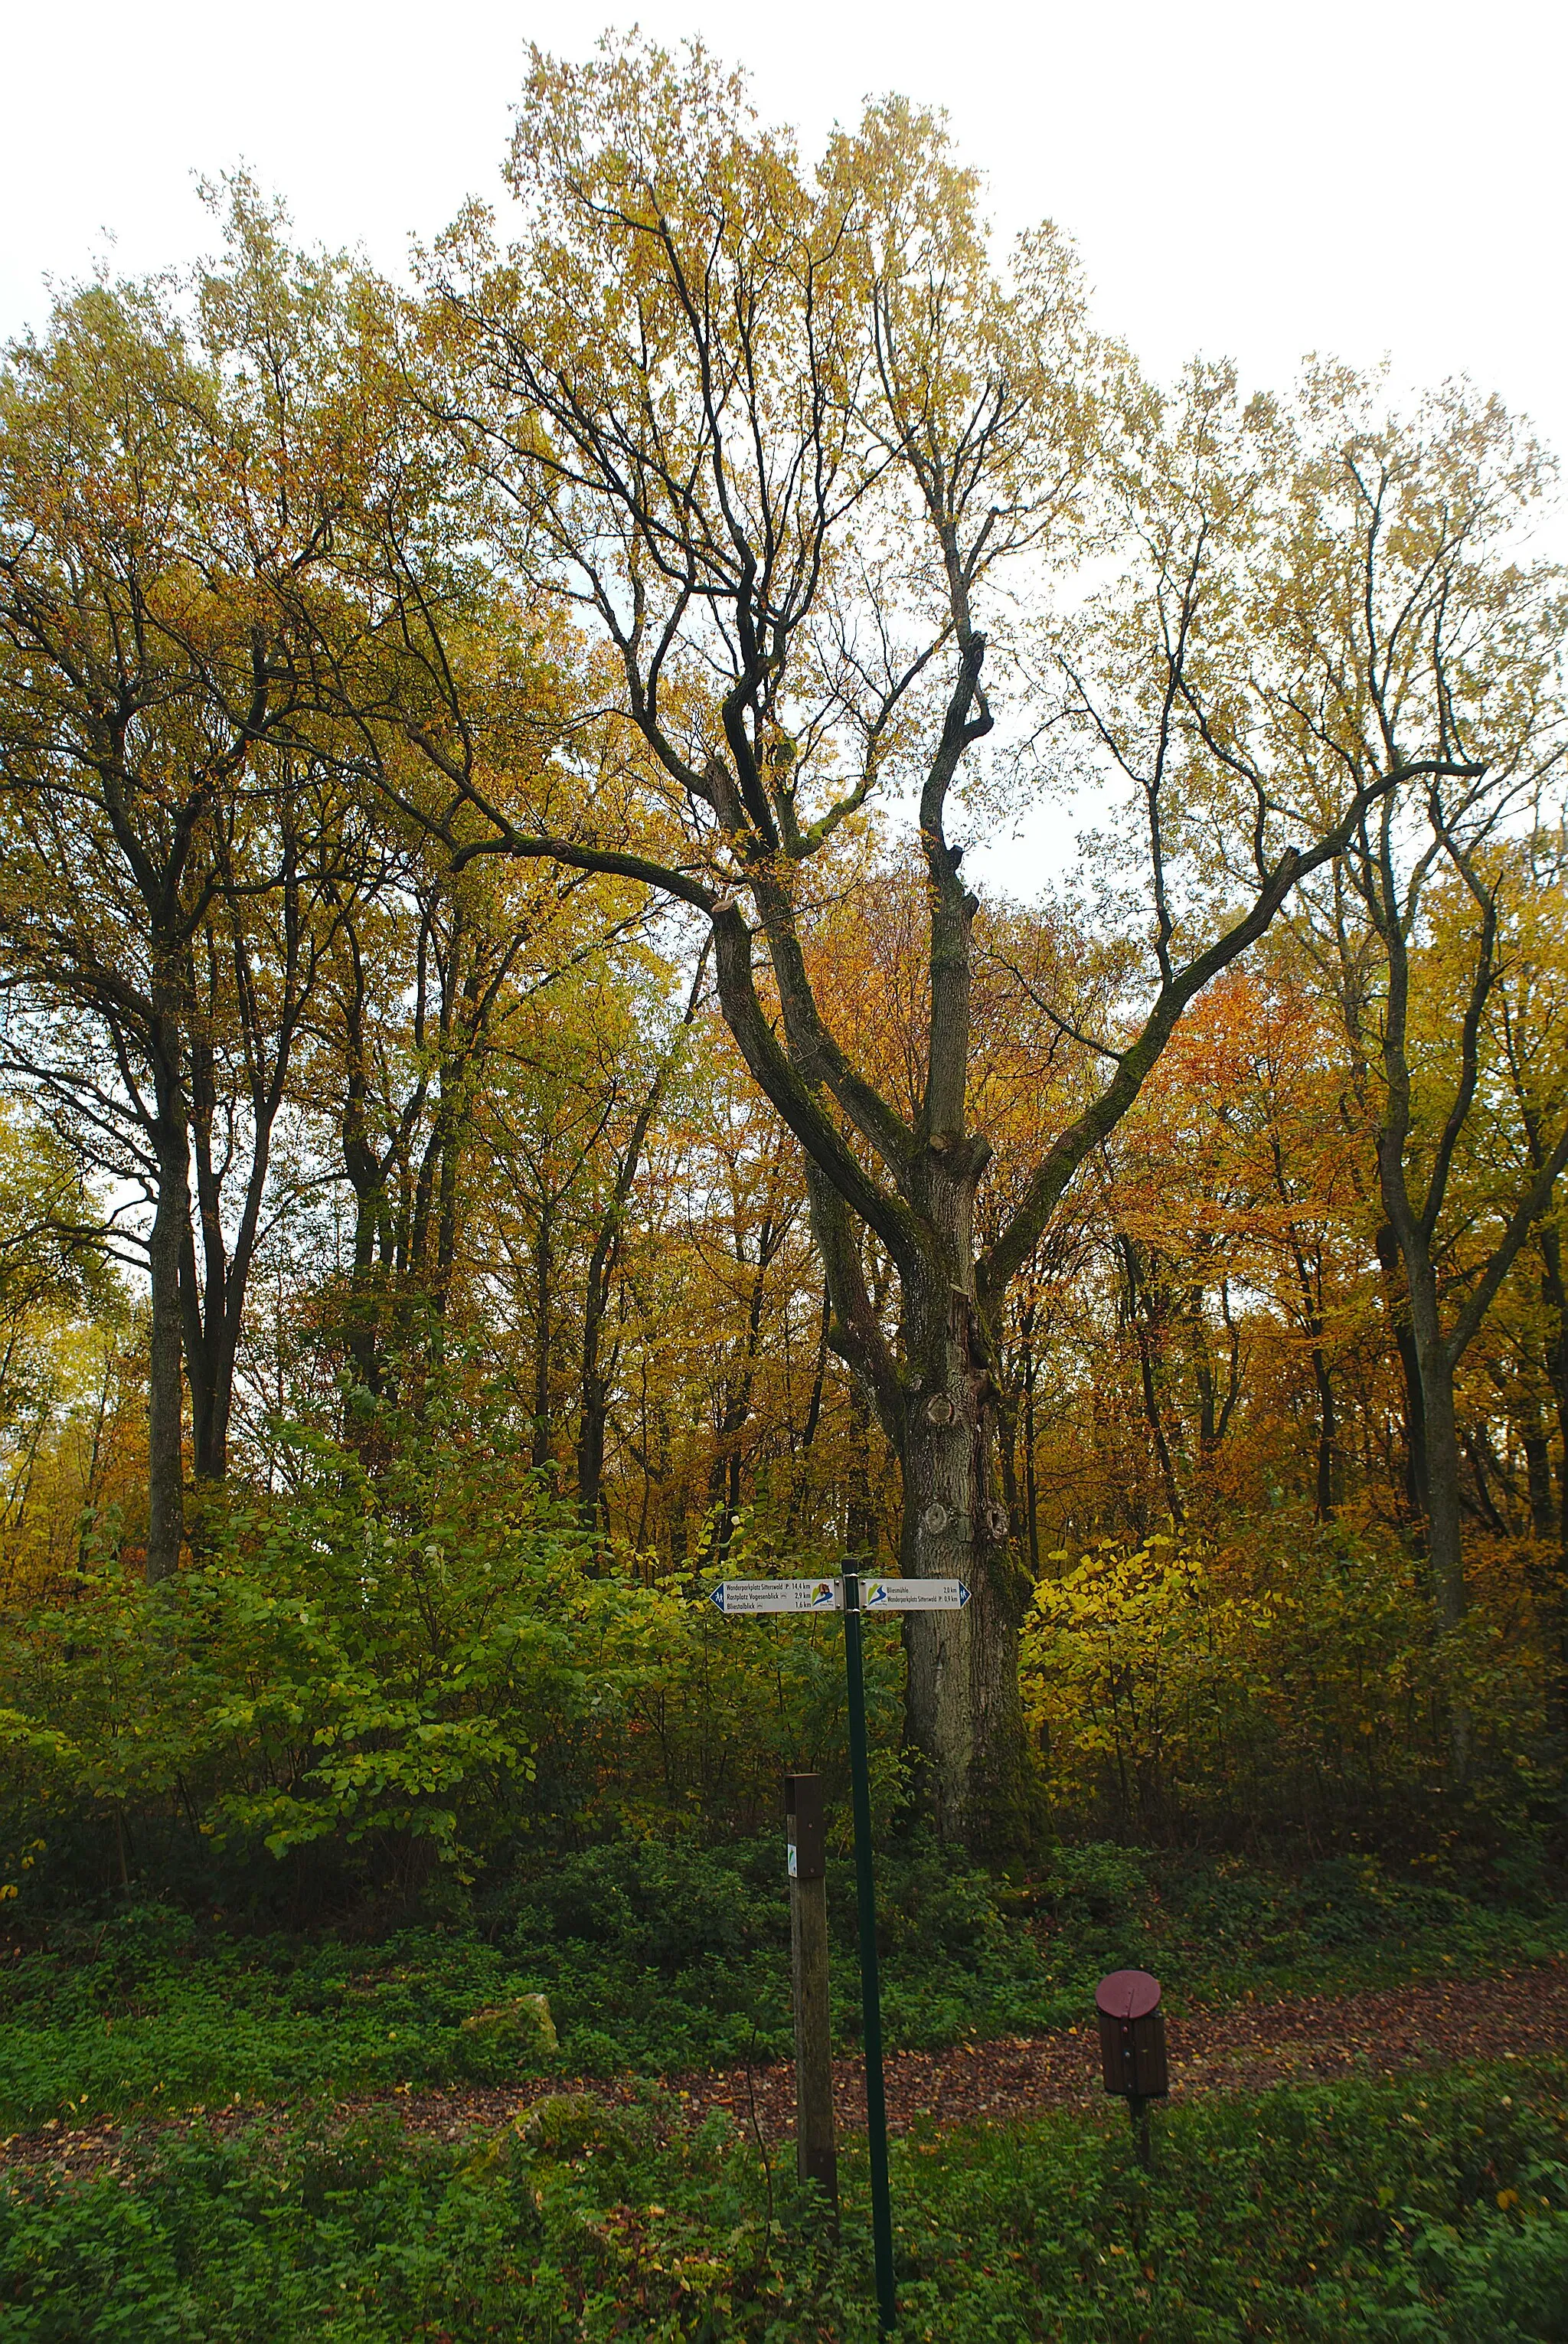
167,1246
964,1712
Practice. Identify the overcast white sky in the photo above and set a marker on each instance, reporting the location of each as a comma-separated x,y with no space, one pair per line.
1259,179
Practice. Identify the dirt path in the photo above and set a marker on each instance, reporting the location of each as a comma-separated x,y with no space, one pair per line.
1240,2047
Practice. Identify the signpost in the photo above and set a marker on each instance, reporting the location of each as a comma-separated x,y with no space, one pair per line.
752,1596
870,1985
913,1595
856,1594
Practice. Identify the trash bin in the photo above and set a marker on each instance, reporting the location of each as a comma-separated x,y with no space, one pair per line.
1132,2035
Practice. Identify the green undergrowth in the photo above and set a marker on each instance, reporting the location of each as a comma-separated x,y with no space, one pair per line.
658,1957
1357,2214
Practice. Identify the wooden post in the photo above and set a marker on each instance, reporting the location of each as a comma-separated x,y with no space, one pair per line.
816,2157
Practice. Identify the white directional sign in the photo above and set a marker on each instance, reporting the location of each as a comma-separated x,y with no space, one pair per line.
913,1595
738,1595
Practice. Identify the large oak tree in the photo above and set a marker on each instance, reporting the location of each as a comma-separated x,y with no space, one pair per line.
799,454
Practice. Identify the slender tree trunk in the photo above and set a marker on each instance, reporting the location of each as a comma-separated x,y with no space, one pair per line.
859,1511
368,1279
211,1345
1031,1470
591,1425
544,1267
1148,1317
601,1268
1538,1482
1397,1299
214,1281
1486,1467
210,1422
449,1188
1554,1294
1327,1428
724,1475
367,1167
802,1458
204,1263
1444,1545
1309,1283
1204,1377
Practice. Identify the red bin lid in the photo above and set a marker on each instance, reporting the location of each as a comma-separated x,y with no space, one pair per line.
1127,1994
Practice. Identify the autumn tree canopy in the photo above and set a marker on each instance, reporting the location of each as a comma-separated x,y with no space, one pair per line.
500,786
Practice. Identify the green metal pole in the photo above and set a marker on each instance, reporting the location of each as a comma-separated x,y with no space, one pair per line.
870,1989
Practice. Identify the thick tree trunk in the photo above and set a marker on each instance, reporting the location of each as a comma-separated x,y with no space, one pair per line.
964,1714
166,1458
203,1270
167,1246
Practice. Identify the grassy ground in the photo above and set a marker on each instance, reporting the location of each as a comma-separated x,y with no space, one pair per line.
1437,2210
660,1958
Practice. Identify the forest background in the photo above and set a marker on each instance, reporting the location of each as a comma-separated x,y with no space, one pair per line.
542,1064
512,1111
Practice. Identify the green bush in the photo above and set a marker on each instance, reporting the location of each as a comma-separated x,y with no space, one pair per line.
680,1960
391,1690
1289,1681
1360,2213
657,1903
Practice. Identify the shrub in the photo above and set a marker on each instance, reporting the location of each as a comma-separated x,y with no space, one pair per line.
1293,1683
